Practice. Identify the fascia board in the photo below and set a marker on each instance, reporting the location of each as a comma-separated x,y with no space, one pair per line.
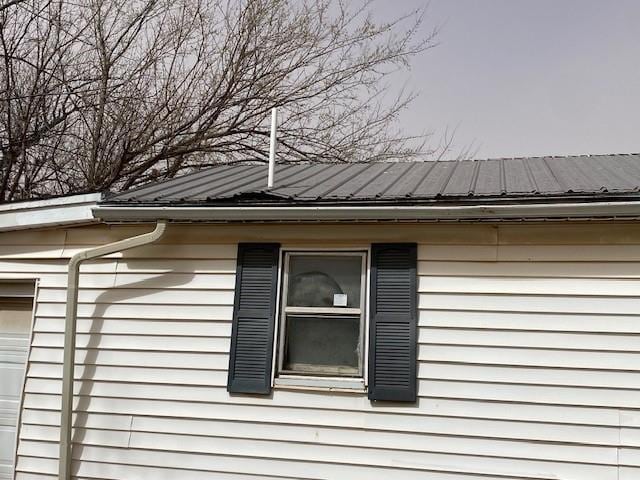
112,213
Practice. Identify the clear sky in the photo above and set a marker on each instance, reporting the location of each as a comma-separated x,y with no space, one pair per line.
529,77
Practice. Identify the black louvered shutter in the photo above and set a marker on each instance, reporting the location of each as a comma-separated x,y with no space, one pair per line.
253,318
393,325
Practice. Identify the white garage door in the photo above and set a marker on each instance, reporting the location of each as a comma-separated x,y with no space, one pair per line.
15,325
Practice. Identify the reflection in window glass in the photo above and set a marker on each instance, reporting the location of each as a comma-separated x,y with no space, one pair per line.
322,344
323,280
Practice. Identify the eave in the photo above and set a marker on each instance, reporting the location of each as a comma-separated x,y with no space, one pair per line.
59,211
345,212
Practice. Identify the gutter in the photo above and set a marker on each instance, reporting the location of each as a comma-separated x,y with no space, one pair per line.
68,367
126,213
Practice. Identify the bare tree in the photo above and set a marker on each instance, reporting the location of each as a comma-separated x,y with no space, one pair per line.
112,93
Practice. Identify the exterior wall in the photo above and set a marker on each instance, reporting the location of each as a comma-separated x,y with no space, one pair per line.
528,349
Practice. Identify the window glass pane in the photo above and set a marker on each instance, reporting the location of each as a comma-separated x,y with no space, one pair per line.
322,344
324,281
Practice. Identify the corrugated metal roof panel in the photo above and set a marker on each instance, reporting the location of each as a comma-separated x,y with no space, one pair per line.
383,181
410,180
435,181
400,181
544,180
516,175
460,181
355,184
629,165
489,178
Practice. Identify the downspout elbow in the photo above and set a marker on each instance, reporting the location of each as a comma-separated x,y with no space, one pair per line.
68,367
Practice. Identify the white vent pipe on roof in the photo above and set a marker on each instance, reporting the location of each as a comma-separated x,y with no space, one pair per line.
272,146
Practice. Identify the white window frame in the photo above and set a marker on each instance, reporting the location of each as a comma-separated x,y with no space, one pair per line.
286,379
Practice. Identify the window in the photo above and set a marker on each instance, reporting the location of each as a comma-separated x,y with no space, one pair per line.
322,314
313,330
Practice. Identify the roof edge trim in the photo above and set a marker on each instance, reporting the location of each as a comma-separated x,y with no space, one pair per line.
69,210
327,213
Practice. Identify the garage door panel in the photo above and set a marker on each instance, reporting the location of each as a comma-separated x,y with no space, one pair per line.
11,386
15,325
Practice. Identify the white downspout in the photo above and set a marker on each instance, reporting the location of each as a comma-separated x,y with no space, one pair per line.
64,467
272,146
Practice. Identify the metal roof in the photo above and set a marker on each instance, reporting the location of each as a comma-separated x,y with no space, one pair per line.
609,176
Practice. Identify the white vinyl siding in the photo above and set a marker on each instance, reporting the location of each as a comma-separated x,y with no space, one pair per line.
529,363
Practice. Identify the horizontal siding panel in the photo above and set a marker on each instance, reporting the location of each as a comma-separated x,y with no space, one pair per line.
321,443
590,233
87,280
134,358
629,473
531,286
134,326
214,373
434,436
35,476
350,455
486,253
111,471
630,437
218,281
39,462
273,417
135,342
534,376
530,357
39,266
33,237
88,420
133,374
107,471
169,280
426,388
100,462
531,303
630,457
539,321
177,266
162,251
111,438
534,339
129,265
630,418
462,408
304,441
149,311
529,393
569,253
48,252
357,465
141,296
517,270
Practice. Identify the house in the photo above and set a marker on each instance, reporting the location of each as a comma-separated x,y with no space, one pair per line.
468,320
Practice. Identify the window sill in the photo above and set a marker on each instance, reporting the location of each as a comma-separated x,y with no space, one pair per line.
328,384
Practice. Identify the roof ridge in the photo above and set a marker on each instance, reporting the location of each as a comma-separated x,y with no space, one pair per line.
450,160
538,157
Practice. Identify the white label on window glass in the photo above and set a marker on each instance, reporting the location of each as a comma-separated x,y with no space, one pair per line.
339,300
